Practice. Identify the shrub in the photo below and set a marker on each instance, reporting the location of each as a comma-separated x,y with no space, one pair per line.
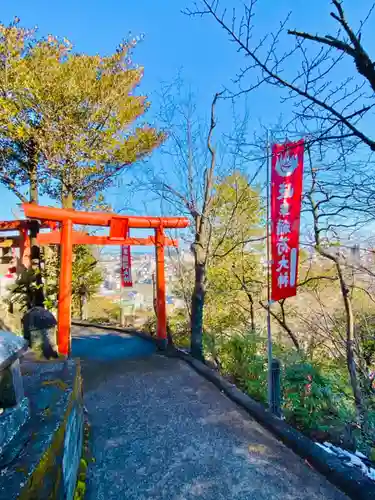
309,400
179,328
243,357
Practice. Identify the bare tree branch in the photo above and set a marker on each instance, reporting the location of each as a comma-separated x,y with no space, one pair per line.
307,89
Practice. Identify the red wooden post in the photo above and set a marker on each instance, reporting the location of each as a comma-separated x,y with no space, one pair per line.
65,289
24,260
161,310
22,234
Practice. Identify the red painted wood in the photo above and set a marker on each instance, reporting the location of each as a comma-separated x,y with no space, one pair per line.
100,218
81,238
161,308
65,289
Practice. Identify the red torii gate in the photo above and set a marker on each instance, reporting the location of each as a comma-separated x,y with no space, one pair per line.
118,235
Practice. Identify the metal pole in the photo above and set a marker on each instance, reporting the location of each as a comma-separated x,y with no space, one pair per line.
269,333
276,383
122,306
154,291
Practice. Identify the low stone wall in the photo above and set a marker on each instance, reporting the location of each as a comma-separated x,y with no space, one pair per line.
45,465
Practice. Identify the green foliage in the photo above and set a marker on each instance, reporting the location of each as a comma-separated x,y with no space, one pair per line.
365,344
365,330
236,214
103,310
309,400
67,118
86,278
234,270
243,358
179,325
150,326
233,260
23,290
50,270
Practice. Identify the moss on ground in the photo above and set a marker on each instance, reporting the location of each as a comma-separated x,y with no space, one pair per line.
80,491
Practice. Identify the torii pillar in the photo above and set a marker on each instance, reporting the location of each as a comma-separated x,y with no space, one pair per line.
161,307
64,310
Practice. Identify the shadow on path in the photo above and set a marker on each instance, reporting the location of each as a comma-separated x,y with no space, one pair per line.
91,345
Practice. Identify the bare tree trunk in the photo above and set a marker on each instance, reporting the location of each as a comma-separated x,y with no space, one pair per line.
250,298
36,293
83,307
283,323
67,200
252,317
122,316
201,216
201,245
350,340
34,195
197,299
350,355
80,307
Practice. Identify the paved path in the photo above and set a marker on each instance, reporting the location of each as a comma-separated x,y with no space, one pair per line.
161,431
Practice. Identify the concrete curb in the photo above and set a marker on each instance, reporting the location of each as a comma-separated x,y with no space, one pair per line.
350,480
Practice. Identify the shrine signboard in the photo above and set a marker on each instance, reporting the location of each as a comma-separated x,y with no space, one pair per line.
126,267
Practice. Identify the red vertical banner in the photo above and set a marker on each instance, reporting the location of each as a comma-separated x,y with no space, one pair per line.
286,193
126,267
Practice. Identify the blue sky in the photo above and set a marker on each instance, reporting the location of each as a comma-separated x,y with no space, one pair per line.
172,42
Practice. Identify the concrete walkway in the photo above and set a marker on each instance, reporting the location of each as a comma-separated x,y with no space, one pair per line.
161,431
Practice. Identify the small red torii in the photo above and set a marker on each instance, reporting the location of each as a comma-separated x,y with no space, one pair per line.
118,235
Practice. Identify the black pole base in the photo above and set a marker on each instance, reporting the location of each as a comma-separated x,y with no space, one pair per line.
161,344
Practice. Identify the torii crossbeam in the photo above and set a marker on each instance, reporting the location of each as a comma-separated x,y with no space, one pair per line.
119,226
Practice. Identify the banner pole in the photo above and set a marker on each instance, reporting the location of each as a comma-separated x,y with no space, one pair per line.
269,333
